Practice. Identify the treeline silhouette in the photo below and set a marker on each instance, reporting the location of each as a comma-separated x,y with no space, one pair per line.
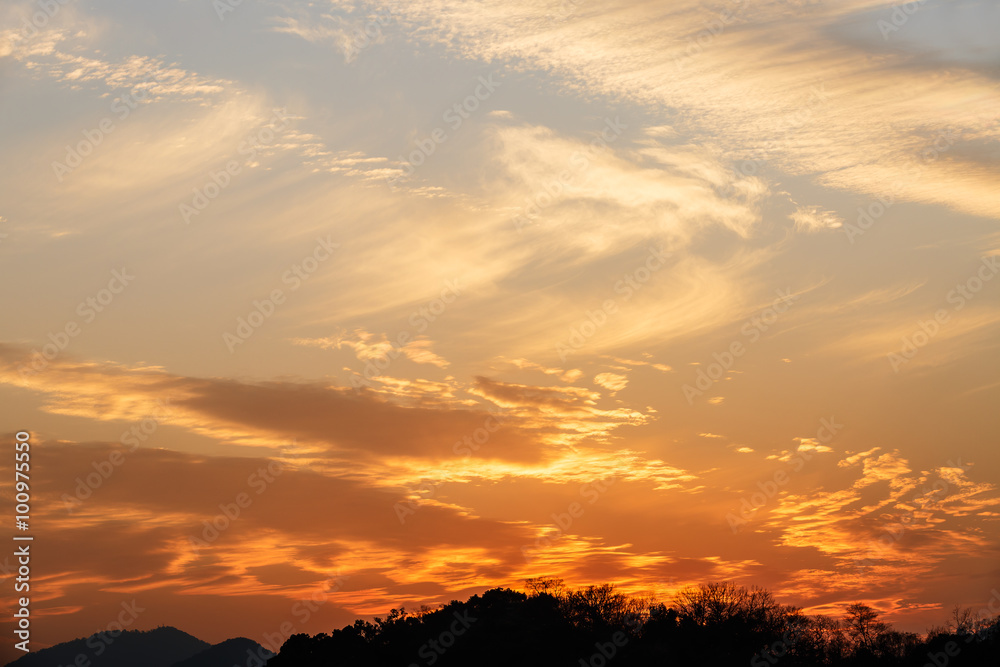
711,624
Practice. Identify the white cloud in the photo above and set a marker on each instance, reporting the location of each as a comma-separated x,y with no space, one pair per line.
815,219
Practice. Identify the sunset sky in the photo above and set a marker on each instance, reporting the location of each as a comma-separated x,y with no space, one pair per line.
648,293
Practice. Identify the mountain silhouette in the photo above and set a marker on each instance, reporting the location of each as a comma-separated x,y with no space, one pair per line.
162,647
239,651
719,624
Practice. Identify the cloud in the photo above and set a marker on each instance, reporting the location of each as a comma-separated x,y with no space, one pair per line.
749,88
572,413
544,219
812,445
815,219
347,28
147,79
571,375
677,192
369,347
612,381
339,422
645,362
154,528
889,522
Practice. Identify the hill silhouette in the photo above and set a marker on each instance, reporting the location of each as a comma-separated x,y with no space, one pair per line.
239,651
710,625
162,647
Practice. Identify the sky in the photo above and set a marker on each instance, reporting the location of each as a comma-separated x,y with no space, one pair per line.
383,304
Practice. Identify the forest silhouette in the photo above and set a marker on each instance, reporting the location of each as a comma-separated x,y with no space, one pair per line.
598,626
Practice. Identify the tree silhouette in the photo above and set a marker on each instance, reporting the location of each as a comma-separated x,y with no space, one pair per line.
711,625
864,628
598,609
